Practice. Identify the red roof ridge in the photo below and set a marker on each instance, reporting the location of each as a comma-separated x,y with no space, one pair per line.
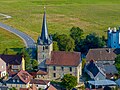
39,81
24,76
64,58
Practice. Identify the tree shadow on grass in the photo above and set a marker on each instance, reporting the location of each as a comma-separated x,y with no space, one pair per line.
17,50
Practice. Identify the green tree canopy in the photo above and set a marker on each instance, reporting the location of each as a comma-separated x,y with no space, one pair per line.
117,63
13,88
65,43
76,33
94,41
34,64
55,36
91,41
55,46
27,58
69,81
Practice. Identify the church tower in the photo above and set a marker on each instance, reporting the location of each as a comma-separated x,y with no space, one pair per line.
45,45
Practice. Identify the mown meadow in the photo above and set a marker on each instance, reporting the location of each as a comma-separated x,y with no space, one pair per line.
90,15
9,43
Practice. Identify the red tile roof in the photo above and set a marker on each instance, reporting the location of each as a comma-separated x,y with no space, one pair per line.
12,59
40,72
24,89
33,87
24,76
63,58
51,88
101,54
11,73
38,81
33,73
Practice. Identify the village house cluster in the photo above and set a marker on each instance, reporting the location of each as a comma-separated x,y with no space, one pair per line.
53,65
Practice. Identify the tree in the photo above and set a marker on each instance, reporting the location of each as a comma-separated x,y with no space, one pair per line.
83,63
91,41
76,33
65,43
27,58
55,46
34,64
117,63
55,36
69,81
62,42
13,88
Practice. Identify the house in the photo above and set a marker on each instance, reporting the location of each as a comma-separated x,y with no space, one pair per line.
94,71
43,84
41,74
51,87
32,87
104,58
14,63
2,68
56,63
118,82
62,63
113,38
2,87
98,79
20,80
101,84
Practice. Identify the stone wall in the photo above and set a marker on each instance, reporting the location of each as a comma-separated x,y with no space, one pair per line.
44,52
57,72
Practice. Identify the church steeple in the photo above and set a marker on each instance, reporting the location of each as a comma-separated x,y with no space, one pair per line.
44,39
45,45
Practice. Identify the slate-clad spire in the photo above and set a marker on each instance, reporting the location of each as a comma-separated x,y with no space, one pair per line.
44,34
44,39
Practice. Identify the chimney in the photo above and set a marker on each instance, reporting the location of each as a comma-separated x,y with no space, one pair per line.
109,30
109,50
114,29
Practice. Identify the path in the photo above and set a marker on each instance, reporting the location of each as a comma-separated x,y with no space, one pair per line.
29,42
5,16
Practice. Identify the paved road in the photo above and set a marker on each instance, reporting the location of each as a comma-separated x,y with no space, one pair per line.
29,42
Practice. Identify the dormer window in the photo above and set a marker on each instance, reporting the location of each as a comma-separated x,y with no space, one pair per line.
18,80
13,80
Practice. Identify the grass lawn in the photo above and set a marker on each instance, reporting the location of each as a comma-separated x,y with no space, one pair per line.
89,15
9,42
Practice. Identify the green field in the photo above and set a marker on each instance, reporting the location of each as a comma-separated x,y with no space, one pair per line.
10,42
89,15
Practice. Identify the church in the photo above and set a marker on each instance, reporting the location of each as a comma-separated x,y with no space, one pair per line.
56,63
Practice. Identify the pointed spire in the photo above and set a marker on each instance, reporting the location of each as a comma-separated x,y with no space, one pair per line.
44,39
